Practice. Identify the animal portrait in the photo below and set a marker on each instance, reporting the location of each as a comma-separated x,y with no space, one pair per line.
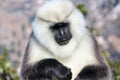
61,47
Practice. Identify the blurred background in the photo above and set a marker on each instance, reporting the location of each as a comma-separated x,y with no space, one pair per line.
16,16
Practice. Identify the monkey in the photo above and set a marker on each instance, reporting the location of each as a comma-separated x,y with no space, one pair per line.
61,47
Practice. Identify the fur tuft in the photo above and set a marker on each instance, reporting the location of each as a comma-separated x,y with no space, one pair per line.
53,10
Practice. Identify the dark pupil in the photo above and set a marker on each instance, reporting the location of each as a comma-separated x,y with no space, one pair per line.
59,25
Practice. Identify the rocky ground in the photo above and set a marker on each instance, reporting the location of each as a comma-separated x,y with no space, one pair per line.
104,16
16,17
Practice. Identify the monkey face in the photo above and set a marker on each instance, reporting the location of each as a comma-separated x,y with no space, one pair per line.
59,27
62,33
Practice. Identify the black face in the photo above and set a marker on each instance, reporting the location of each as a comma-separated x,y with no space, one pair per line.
62,33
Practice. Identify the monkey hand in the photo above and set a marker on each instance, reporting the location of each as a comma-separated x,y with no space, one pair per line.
48,69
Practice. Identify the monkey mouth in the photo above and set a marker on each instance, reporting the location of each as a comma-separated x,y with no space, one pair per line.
63,42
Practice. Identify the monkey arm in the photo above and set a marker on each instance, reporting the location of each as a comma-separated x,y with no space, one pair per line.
93,72
47,69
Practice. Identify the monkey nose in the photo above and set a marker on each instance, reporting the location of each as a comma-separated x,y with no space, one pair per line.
63,40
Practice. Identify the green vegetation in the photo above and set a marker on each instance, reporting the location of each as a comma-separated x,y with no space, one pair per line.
116,69
83,9
7,71
115,66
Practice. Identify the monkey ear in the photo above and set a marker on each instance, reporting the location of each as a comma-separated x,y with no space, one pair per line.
52,10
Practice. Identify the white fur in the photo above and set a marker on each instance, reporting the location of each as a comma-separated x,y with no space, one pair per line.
73,54
77,53
52,10
80,57
42,31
